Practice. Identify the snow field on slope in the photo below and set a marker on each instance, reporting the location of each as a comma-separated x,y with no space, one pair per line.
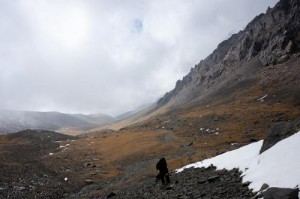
278,167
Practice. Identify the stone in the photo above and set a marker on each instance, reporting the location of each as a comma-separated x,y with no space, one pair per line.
252,140
213,178
112,194
88,182
202,181
190,144
260,195
279,132
281,193
170,187
246,184
264,187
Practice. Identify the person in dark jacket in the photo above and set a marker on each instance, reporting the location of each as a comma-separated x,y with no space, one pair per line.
162,168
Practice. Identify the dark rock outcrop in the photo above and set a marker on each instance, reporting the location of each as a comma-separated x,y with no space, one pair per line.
270,38
112,194
279,132
281,193
264,187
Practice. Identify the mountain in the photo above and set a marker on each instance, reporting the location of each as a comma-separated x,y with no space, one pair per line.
257,64
269,39
245,91
13,121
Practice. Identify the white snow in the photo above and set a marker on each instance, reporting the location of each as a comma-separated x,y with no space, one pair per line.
278,167
262,98
166,122
63,146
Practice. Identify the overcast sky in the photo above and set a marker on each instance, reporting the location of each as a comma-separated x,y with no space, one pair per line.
107,56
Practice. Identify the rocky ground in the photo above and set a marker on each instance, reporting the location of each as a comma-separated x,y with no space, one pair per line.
191,183
23,175
28,170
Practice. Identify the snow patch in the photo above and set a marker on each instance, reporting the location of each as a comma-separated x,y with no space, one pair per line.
166,122
278,167
63,146
262,98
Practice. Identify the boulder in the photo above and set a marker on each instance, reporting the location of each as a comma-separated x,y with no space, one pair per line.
279,132
281,193
88,182
264,187
213,178
112,194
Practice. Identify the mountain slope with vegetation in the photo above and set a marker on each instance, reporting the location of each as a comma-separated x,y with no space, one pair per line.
261,60
269,39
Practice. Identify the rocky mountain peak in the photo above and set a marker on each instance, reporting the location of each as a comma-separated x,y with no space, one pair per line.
270,38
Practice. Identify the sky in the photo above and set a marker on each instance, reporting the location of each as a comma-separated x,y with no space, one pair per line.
107,56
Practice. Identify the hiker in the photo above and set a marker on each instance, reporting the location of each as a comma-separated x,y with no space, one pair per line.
162,168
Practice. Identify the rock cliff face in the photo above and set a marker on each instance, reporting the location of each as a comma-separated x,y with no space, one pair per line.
270,38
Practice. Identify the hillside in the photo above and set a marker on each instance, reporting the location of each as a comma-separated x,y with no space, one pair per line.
13,121
260,60
219,178
269,39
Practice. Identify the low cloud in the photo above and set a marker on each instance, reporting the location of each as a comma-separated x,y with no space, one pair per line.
107,56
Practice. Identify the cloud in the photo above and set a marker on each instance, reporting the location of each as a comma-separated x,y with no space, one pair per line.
107,56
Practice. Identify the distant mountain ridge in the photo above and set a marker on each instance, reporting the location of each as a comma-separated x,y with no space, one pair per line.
13,121
270,38
131,113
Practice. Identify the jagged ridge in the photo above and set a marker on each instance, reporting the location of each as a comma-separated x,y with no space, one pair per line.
269,39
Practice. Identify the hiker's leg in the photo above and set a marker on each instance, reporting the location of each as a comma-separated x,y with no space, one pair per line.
157,178
162,177
167,177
